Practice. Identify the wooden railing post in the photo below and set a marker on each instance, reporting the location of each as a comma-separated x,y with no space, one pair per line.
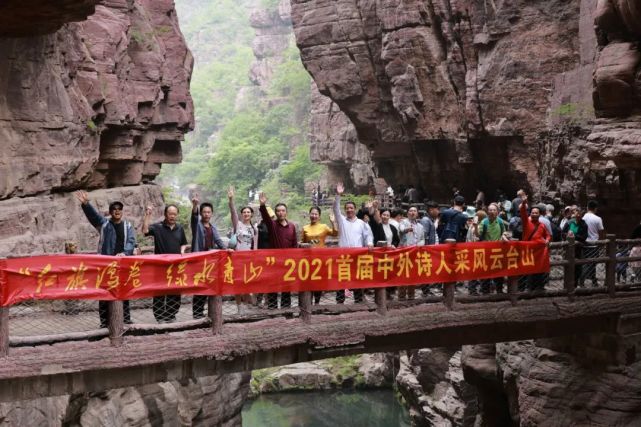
305,306
215,313
448,294
513,289
380,297
4,331
611,265
116,323
568,272
449,288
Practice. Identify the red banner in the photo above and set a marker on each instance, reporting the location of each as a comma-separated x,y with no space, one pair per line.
268,270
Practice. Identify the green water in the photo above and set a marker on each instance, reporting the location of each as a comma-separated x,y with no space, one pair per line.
372,408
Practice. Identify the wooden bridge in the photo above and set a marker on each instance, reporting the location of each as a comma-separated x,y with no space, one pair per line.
65,363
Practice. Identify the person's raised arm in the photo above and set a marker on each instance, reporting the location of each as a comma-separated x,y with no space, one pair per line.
183,242
332,220
217,240
523,210
130,244
269,222
90,212
194,215
375,211
232,209
146,220
337,202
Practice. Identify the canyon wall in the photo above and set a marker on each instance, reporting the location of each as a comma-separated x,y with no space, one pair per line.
99,103
209,401
487,94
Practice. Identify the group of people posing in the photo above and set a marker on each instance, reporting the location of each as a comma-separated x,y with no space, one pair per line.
366,226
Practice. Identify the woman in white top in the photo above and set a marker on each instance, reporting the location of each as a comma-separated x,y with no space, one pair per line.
246,234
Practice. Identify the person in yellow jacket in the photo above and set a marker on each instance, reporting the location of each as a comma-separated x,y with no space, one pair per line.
315,233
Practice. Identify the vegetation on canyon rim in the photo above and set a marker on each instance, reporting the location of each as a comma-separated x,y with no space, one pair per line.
246,136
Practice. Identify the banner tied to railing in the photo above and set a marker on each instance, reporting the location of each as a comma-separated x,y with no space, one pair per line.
261,271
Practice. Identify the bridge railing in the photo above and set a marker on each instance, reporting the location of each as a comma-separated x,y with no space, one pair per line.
608,266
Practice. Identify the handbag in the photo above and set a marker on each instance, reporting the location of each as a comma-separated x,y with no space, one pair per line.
233,242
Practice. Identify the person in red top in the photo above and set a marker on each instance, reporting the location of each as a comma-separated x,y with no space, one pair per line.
533,231
282,235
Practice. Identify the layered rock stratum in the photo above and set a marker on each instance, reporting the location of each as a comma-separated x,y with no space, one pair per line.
98,103
495,94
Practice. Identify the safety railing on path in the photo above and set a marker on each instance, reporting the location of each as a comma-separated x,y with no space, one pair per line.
605,267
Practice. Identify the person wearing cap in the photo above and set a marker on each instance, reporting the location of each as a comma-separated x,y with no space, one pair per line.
453,222
117,237
204,237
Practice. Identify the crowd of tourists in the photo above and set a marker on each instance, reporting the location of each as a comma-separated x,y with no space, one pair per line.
353,226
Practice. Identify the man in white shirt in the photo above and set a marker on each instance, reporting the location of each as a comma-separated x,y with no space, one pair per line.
595,232
352,233
412,234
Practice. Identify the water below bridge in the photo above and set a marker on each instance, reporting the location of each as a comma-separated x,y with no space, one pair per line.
373,408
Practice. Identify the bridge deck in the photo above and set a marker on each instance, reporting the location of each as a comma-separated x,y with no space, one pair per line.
81,366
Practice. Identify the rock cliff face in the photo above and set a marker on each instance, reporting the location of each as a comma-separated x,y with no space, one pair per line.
334,143
100,103
534,383
465,93
210,401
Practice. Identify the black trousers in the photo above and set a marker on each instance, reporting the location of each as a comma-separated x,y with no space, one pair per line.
285,300
198,306
103,312
358,296
166,307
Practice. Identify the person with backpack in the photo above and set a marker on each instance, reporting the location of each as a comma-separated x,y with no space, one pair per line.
534,231
453,222
492,229
117,237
